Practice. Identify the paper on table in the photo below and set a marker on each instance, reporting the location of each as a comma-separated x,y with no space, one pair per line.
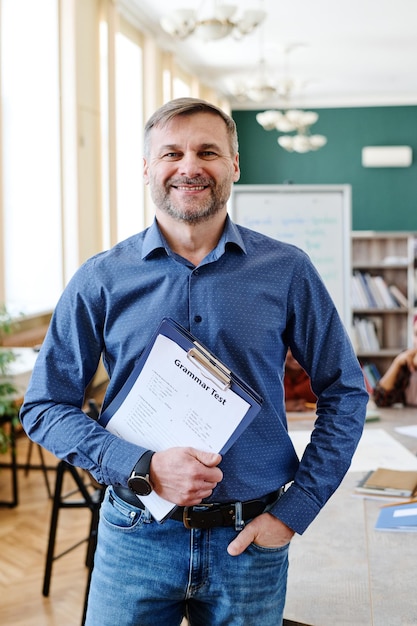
411,431
402,518
376,449
175,403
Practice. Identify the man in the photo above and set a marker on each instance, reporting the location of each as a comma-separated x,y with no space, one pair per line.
247,298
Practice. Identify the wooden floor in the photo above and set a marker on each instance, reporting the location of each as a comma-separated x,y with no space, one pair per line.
24,534
23,543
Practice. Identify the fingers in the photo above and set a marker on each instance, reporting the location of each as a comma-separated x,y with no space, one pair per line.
185,476
210,459
265,530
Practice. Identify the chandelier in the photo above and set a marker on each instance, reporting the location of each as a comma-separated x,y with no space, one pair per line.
289,121
258,89
217,24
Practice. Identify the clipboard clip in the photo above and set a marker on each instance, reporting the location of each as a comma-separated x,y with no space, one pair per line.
206,362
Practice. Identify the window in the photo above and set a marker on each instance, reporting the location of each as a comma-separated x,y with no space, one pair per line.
123,212
129,137
72,116
31,194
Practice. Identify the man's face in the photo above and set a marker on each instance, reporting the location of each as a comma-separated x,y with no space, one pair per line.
190,169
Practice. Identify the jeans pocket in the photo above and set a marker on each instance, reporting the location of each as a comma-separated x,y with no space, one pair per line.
270,550
117,513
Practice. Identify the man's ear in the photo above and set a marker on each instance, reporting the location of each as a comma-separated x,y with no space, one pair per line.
145,171
236,168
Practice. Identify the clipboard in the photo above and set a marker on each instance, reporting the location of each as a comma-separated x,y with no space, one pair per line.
208,364
180,394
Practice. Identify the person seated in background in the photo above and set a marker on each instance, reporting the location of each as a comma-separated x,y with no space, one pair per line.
399,383
298,393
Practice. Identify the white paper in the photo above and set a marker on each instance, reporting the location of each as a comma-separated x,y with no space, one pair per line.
175,403
377,448
405,512
411,431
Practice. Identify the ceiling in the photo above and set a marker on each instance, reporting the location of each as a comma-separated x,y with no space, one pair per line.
355,53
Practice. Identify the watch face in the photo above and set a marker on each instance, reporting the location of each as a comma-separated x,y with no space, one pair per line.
140,485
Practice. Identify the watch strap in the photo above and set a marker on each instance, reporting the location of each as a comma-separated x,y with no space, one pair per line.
142,467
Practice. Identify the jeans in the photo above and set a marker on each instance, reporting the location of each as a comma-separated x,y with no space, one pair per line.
150,574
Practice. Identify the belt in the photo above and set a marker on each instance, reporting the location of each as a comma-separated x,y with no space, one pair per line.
207,514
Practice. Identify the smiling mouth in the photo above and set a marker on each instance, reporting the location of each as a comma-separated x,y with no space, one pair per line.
190,187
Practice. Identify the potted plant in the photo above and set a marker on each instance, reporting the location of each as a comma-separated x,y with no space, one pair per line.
8,406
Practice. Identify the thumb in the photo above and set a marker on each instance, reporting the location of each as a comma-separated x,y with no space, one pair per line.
209,459
241,542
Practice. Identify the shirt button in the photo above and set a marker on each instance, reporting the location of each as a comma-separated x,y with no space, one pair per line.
197,318
196,272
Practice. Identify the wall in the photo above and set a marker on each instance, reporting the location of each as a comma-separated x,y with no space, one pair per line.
382,198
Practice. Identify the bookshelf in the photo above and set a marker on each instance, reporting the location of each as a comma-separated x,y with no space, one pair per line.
383,294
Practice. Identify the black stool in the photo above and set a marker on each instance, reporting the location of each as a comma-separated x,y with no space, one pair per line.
12,422
12,464
42,465
91,497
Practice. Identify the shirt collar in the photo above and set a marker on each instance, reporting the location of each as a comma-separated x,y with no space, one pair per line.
154,240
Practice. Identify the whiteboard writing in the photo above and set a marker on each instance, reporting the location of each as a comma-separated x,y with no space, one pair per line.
317,219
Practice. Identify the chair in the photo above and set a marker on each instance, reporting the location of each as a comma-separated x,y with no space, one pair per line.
91,497
42,465
92,494
12,464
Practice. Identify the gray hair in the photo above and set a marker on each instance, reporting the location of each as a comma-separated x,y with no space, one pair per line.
188,106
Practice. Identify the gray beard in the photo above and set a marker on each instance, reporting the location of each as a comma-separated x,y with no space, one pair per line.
195,212
198,215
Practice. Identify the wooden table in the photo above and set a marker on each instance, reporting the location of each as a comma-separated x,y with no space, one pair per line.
342,571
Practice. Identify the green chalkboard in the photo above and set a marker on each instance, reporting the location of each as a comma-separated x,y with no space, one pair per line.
382,198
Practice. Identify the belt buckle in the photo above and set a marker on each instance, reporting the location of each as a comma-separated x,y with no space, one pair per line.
188,511
186,518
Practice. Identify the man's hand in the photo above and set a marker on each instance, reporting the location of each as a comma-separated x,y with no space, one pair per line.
185,476
265,530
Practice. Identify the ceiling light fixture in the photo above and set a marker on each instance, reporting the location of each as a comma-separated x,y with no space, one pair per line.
218,23
292,120
289,121
261,88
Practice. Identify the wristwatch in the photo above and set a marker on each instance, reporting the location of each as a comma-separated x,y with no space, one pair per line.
139,481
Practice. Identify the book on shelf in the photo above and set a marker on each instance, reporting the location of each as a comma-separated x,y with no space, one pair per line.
366,334
372,292
375,297
375,323
389,302
371,376
371,373
359,297
368,383
399,296
389,482
398,517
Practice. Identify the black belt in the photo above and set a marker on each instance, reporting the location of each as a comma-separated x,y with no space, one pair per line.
208,515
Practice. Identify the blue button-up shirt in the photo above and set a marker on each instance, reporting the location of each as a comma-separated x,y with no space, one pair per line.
247,301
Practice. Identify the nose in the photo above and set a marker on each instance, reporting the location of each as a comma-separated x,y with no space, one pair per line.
190,165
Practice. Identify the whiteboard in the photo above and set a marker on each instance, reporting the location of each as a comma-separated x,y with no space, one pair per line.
316,218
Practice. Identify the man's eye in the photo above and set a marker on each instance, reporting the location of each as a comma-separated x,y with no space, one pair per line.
208,154
171,156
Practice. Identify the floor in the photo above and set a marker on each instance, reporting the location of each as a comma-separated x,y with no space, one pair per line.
23,539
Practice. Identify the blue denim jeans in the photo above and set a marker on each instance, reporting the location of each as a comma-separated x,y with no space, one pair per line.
150,574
